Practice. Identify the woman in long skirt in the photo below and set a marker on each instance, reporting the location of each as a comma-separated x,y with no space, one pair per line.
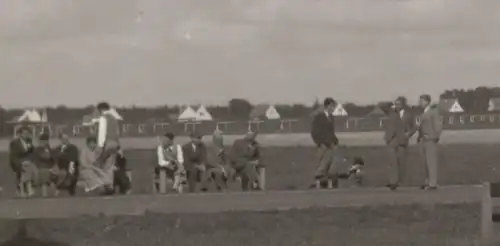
91,176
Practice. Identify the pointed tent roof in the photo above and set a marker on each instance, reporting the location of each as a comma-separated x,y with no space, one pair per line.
340,110
202,114
44,118
187,114
29,115
450,105
377,111
264,111
494,104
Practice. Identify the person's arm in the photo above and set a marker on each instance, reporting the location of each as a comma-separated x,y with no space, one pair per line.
389,129
412,126
101,136
161,158
180,157
438,125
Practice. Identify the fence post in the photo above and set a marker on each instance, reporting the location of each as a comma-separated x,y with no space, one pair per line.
486,212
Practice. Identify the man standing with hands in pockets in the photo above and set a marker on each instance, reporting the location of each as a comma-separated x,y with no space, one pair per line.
429,132
400,127
323,135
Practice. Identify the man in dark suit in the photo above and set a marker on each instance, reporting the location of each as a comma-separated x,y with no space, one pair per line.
20,154
245,160
217,162
195,156
68,164
323,135
399,128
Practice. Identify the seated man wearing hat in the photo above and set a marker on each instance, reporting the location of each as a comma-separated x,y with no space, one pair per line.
245,160
195,162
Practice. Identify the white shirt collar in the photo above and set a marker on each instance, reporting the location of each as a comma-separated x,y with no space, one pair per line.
401,113
427,109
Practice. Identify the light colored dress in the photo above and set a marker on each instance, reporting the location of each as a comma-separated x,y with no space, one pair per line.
91,176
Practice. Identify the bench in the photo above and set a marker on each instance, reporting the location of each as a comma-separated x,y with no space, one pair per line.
489,215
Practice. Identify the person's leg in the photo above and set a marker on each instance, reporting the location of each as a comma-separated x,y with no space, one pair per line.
192,176
203,177
218,178
402,153
322,164
423,157
432,162
393,165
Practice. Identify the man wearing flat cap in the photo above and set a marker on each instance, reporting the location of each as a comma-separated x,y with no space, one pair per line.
195,156
44,159
245,160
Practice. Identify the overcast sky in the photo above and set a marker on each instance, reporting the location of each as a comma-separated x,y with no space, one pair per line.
154,52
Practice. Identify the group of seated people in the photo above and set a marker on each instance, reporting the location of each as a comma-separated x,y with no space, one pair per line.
65,167
197,164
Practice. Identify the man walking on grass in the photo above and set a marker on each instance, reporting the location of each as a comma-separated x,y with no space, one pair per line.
323,135
429,132
400,127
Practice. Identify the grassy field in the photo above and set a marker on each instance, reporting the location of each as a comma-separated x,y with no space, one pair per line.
291,168
441,225
488,136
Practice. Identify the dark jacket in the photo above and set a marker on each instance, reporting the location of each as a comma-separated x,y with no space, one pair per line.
18,153
194,157
65,154
323,130
398,130
244,150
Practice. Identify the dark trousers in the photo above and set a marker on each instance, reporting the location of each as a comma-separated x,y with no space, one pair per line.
247,170
121,181
397,169
197,173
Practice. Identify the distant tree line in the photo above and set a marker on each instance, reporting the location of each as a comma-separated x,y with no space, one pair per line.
472,100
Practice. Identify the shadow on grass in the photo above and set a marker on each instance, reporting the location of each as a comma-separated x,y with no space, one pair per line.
21,238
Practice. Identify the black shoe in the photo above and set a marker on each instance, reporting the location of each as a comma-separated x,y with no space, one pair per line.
392,187
431,188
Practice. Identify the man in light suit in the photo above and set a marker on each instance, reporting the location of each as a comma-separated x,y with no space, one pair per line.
429,132
400,127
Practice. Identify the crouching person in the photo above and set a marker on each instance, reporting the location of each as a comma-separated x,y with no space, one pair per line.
20,158
354,171
245,159
44,159
170,162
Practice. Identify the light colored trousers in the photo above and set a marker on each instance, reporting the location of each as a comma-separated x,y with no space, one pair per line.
325,163
429,152
107,158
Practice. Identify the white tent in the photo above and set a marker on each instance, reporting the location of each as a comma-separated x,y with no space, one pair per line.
272,113
340,110
29,115
202,114
187,114
494,104
456,108
44,118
